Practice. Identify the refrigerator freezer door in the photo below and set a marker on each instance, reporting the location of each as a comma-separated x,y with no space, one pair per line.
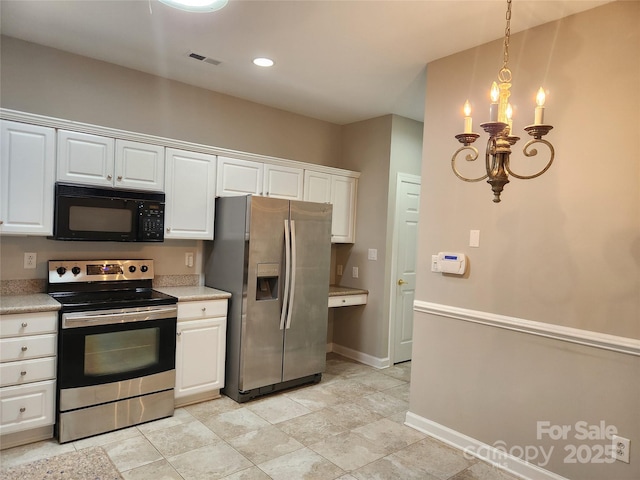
261,337
306,335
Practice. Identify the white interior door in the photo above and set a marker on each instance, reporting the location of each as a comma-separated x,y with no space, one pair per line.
406,228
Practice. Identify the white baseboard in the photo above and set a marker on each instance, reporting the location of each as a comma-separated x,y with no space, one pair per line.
365,358
472,447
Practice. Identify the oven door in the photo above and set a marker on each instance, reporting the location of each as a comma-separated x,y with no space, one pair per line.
108,346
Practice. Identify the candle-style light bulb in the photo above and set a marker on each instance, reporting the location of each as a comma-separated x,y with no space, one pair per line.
493,108
539,115
467,117
509,114
495,93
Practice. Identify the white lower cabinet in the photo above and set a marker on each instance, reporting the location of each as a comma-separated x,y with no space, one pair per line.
27,377
200,350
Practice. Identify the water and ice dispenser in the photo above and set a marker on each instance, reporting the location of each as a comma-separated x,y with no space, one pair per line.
267,278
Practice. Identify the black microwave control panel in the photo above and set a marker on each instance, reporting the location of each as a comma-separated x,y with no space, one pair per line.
151,221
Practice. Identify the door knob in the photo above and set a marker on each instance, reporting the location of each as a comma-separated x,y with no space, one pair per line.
401,282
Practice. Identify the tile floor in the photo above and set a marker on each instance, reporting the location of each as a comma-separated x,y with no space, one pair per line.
347,427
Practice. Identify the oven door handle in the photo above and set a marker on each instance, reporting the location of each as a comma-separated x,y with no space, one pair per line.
109,317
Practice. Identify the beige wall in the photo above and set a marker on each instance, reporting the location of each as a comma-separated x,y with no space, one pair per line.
366,149
51,82
378,148
562,249
45,81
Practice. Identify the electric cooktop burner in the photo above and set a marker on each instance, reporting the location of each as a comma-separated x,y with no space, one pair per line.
113,299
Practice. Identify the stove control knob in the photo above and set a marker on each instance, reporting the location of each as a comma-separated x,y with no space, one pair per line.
132,268
144,268
61,270
76,270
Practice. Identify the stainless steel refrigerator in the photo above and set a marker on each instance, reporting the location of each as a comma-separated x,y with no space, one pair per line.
273,256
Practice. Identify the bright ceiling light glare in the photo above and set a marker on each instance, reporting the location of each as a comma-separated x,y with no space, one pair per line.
201,6
263,62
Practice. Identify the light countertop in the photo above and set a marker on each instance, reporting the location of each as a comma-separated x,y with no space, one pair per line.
36,302
189,294
337,290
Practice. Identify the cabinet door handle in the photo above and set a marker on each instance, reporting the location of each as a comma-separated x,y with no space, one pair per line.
109,177
23,409
23,373
24,348
24,324
204,309
168,229
178,333
119,178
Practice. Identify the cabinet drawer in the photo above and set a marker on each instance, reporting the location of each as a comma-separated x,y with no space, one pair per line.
28,324
202,309
27,406
347,300
22,348
27,371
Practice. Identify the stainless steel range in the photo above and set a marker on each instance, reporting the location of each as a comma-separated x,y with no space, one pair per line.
116,346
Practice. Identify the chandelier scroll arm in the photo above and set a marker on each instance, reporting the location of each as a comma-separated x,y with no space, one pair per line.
532,153
471,157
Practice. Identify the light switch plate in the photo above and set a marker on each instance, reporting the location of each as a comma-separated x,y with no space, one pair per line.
373,254
474,238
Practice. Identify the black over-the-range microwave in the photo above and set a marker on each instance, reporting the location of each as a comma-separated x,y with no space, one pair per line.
107,214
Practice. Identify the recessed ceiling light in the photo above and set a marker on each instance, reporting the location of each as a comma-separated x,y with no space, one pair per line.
196,5
263,62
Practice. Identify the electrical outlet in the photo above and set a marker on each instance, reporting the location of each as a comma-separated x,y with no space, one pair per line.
30,260
354,272
621,448
188,259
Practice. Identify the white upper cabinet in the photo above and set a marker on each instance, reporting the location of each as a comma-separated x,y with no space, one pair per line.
103,161
317,187
190,194
343,198
341,192
283,182
239,177
139,166
27,176
85,159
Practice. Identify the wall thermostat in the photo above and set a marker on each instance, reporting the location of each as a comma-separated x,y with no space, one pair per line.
449,262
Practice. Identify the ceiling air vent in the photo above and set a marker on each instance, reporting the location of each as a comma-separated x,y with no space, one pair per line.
202,58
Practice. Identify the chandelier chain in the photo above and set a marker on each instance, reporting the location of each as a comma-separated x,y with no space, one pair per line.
507,33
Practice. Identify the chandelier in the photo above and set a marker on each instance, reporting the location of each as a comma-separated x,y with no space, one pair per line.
499,128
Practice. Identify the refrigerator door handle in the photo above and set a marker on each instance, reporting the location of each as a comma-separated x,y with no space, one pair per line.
287,263
293,271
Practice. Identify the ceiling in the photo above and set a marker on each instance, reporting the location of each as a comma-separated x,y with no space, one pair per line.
340,61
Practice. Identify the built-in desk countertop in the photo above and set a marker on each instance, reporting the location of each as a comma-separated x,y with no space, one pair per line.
346,296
